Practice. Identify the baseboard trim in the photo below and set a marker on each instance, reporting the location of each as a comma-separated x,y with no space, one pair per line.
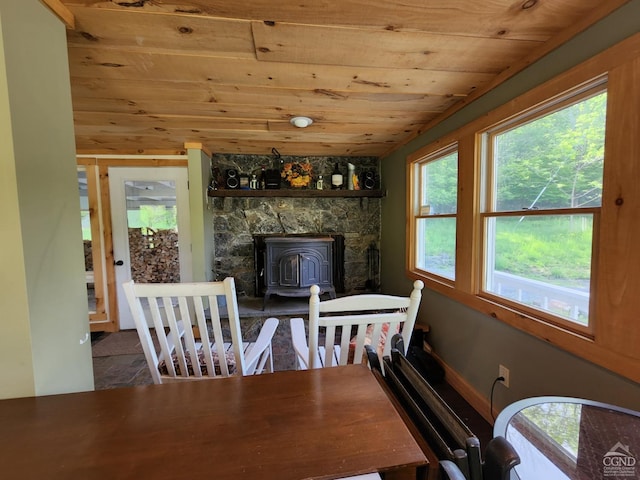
470,394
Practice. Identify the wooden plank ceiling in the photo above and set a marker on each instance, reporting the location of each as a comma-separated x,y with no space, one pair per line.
148,76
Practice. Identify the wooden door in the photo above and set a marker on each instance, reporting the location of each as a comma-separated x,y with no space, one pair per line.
150,228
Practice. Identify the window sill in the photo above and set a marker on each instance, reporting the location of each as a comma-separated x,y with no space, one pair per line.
580,344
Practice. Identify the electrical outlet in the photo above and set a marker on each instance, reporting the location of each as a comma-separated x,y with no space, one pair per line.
504,372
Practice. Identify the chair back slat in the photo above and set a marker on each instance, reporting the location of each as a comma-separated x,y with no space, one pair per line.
177,327
329,352
359,320
359,342
190,346
200,304
234,323
174,310
167,342
394,326
218,344
200,321
145,335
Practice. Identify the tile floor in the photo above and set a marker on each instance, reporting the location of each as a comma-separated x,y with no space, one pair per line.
118,360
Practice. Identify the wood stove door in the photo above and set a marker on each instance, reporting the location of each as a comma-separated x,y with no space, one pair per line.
310,270
289,270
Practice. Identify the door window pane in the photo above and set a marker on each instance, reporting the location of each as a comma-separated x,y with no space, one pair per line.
153,231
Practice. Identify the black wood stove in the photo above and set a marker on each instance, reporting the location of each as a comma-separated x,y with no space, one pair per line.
288,265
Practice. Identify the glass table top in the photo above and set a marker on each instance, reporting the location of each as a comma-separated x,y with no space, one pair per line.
570,438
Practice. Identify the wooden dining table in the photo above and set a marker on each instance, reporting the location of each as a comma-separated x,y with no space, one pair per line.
314,424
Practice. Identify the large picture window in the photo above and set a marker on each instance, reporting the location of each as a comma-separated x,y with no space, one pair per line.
435,214
546,215
543,190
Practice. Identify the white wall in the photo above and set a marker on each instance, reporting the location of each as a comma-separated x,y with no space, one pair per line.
15,341
201,215
44,307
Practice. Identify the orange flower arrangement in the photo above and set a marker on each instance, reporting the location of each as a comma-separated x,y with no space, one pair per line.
298,175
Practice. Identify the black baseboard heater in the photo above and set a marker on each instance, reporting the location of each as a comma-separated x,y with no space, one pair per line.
447,436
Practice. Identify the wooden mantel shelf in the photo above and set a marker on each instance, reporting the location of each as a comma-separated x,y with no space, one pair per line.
291,192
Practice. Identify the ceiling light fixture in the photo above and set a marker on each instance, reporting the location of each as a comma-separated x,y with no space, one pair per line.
301,122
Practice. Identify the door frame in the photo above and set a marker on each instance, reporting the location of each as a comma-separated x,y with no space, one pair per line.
100,201
97,277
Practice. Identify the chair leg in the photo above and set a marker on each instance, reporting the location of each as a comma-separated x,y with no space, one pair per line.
299,339
265,362
270,360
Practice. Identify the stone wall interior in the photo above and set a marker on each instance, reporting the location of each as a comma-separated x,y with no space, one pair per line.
237,220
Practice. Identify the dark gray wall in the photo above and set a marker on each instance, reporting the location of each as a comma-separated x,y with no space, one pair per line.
470,342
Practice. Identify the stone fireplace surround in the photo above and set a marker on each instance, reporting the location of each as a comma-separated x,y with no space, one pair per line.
237,220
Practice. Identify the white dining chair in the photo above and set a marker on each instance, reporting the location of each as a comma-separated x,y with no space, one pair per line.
166,316
349,323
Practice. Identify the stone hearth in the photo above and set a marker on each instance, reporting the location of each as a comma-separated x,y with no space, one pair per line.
237,220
